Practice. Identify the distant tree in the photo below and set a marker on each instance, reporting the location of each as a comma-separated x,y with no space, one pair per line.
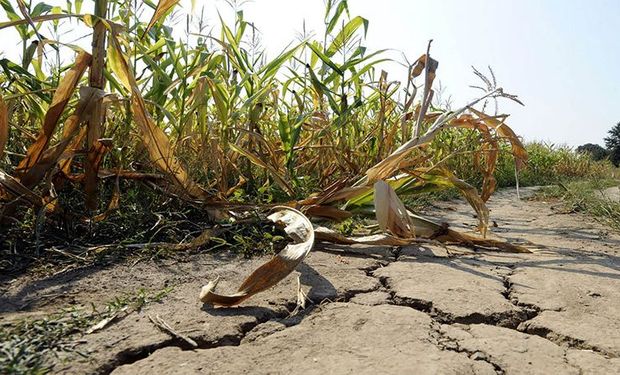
596,152
613,144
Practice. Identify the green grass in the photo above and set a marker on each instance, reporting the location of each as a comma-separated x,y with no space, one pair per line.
586,196
30,345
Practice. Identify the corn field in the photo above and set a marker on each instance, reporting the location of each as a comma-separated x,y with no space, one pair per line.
209,121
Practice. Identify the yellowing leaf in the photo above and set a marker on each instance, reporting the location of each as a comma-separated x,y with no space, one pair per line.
163,6
61,97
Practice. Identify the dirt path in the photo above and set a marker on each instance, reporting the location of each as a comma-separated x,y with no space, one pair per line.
423,310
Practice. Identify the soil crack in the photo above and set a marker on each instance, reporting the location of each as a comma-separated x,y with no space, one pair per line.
445,342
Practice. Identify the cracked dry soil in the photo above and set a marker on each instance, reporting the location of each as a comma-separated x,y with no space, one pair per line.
420,309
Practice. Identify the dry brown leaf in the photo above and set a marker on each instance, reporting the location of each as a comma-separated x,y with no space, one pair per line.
63,93
504,131
66,160
300,230
17,190
200,240
51,156
328,235
420,66
426,230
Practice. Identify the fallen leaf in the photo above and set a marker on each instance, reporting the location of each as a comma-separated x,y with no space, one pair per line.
300,230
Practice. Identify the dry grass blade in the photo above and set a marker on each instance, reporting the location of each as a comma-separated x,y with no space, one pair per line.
300,230
4,126
63,93
391,212
154,138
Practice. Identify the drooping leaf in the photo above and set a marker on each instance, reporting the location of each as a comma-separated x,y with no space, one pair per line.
61,97
51,156
154,138
504,131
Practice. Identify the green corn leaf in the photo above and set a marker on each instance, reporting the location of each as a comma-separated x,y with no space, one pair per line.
314,46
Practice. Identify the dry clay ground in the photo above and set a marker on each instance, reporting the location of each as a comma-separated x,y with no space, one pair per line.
423,310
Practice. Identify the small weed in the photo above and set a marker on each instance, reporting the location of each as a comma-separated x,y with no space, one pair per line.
27,346
587,197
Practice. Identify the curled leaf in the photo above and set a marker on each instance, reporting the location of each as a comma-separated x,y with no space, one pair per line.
505,132
391,212
300,230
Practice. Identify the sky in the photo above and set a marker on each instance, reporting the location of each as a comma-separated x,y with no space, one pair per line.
562,58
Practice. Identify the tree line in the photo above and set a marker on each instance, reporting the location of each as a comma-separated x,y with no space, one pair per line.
611,150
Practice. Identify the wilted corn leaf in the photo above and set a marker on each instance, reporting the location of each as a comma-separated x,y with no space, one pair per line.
4,126
390,164
51,156
59,101
471,195
441,232
426,230
328,235
391,212
420,66
163,6
469,192
155,140
300,230
66,159
504,131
